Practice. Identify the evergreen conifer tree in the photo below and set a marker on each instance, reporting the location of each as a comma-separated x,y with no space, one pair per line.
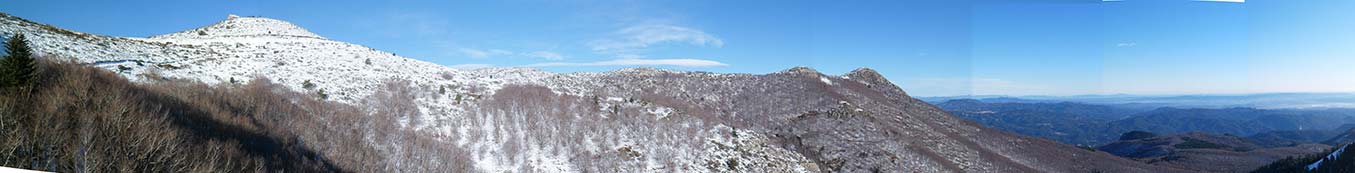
18,66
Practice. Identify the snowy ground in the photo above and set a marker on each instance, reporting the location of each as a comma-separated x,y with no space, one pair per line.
239,49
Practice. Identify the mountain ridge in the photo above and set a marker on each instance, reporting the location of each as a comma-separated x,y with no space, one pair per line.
236,26
1204,152
488,111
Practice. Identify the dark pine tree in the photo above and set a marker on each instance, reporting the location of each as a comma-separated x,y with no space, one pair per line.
17,68
1343,162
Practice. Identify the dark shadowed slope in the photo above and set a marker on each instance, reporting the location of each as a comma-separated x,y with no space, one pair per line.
86,119
1204,152
1335,160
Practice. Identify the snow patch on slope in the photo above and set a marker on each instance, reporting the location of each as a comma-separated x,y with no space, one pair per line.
739,150
1333,155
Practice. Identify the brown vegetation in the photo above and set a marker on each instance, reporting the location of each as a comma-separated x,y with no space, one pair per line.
85,119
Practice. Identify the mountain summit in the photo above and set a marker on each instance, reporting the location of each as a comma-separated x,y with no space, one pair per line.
236,26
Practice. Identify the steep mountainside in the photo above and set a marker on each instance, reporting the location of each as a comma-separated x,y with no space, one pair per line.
1345,137
1334,160
1204,152
629,120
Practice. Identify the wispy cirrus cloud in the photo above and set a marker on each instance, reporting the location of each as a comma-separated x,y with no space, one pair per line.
1126,44
486,53
423,25
546,55
628,45
635,62
642,36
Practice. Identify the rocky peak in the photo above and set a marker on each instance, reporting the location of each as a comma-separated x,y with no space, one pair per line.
873,79
236,26
865,74
801,70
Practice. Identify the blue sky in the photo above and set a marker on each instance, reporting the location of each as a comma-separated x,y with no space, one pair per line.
930,48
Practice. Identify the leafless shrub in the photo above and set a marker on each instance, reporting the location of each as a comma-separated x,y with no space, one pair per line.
397,99
535,118
84,119
447,75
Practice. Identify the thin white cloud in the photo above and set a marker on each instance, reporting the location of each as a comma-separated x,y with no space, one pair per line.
642,36
546,55
477,53
1126,44
629,56
417,24
471,66
1233,1
486,53
473,53
638,62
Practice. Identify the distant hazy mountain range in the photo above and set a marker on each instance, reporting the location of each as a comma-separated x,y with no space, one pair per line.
1092,124
1232,139
1260,101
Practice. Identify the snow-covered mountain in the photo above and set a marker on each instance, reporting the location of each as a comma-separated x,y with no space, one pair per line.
628,120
